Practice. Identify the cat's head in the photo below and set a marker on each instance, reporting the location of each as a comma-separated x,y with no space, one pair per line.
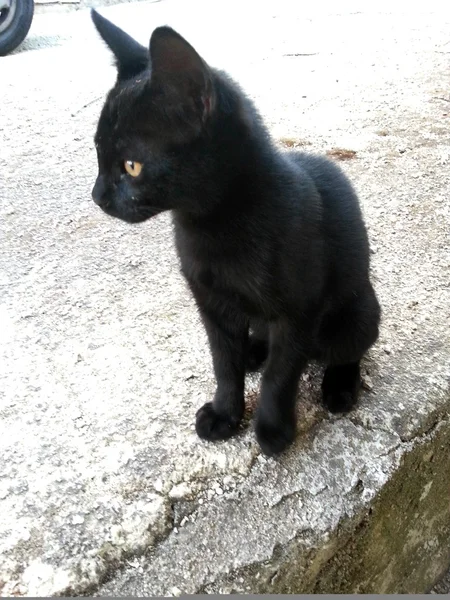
160,106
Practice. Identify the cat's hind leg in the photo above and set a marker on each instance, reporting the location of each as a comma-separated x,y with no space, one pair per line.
345,335
258,346
340,387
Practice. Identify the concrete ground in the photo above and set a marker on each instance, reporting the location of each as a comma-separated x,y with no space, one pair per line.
104,486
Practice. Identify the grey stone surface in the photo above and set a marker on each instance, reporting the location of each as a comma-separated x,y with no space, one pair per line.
104,363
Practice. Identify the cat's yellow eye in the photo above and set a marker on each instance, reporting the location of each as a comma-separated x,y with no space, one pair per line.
132,167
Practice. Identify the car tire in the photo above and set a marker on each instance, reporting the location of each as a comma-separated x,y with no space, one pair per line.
15,23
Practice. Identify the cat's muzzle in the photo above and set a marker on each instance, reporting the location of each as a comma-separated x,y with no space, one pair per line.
99,195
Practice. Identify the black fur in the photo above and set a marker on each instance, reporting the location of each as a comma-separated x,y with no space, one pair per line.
272,245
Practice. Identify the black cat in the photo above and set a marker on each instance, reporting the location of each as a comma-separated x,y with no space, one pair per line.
269,242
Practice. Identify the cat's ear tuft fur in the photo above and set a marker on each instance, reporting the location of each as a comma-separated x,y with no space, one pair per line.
179,70
131,57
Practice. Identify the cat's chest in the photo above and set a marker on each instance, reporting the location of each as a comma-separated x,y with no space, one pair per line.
211,272
222,283
221,270
206,259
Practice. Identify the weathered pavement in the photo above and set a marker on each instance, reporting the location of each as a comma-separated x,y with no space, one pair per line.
104,364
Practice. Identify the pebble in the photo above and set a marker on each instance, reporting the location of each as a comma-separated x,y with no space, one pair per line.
181,490
77,519
367,382
175,591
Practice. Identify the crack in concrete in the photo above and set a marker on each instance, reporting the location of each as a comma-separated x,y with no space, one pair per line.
301,493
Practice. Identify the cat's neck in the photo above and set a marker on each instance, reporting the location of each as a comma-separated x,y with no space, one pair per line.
235,195
241,164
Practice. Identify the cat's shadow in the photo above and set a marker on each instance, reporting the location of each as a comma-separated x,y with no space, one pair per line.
310,409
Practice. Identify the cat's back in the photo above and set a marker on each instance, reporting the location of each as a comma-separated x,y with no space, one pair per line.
344,233
332,184
341,208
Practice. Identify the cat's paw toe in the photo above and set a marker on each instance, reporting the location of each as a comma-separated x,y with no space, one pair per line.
257,354
212,426
340,388
340,402
274,439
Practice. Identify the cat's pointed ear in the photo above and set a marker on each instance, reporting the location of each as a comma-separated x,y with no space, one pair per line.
179,70
131,57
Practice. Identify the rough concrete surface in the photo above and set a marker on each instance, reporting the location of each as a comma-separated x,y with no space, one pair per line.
43,7
104,486
443,587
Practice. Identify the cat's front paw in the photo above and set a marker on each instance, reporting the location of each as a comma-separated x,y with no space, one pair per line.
212,426
274,438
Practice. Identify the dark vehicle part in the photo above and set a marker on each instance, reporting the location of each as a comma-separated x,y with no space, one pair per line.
15,22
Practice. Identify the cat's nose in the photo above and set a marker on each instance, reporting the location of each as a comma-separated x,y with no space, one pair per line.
98,192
